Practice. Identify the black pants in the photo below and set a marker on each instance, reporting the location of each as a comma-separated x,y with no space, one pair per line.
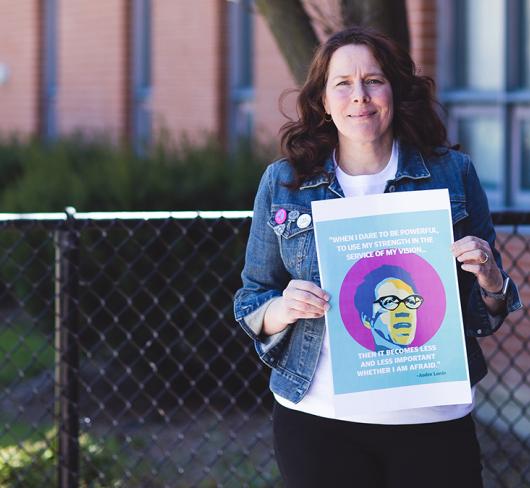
315,452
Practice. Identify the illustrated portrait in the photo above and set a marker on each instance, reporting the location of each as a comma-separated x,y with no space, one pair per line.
392,302
387,303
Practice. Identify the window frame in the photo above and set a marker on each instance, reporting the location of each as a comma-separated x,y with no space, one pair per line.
468,112
521,116
48,112
509,103
141,74
241,92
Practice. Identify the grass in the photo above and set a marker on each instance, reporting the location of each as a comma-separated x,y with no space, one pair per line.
25,352
107,458
16,432
33,459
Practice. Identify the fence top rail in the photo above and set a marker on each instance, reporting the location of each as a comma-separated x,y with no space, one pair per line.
155,215
511,217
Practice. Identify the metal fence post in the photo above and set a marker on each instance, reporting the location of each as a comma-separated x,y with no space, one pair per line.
67,353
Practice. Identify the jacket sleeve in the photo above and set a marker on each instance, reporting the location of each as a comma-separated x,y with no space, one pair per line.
264,276
479,322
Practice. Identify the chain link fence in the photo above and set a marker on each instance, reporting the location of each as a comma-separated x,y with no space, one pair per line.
123,365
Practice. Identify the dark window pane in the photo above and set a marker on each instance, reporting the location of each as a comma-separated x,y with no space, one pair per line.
525,149
240,63
480,55
525,44
481,138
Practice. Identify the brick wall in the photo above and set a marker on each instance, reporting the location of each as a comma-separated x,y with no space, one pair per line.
92,65
272,77
187,60
19,51
186,66
422,28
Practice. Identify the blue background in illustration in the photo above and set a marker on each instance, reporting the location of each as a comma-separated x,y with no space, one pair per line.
449,356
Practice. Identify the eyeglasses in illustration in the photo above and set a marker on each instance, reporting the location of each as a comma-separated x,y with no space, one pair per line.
387,303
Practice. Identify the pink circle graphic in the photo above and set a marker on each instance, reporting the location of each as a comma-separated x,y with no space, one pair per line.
427,284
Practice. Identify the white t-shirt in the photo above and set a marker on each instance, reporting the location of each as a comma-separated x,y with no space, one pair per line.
319,399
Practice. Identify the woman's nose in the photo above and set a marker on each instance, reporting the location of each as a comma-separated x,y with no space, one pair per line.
359,93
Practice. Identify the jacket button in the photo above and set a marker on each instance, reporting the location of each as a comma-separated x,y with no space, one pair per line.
391,188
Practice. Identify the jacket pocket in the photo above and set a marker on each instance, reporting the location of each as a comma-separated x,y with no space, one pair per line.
293,224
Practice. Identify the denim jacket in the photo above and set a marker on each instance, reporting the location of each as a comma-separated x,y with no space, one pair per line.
277,253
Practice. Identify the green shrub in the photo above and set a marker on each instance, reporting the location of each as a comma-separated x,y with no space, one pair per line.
96,175
117,272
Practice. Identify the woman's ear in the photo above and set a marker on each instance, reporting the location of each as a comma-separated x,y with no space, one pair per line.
366,321
325,104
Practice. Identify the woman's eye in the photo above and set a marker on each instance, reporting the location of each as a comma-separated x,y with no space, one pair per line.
342,83
373,82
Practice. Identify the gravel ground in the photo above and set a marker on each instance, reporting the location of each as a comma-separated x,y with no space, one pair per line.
196,446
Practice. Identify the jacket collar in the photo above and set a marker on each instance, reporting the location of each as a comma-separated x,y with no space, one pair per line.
410,165
326,177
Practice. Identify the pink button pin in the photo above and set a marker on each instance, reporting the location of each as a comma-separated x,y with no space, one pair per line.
280,216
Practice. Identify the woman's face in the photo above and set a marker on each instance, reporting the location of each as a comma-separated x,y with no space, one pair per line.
358,96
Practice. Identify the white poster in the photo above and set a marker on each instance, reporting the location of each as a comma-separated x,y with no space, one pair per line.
395,325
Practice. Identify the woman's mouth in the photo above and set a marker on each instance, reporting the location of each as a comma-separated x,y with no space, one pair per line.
361,115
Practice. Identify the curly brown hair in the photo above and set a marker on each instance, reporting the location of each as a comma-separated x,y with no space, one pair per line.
308,141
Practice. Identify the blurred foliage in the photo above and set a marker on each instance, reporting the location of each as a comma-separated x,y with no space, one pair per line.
137,280
33,463
94,174
23,358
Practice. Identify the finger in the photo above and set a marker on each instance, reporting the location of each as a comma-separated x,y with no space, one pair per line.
468,243
307,287
314,304
297,310
463,241
467,239
306,315
472,268
310,287
304,300
301,300
476,256
307,312
492,280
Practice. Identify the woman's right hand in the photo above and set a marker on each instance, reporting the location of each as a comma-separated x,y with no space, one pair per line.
300,300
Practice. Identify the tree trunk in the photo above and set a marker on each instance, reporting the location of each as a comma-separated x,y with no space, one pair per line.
293,31
296,38
386,16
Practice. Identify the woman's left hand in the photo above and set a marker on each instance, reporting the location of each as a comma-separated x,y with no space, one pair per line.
476,257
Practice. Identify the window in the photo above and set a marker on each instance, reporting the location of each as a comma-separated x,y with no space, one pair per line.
141,74
49,69
484,66
240,70
481,135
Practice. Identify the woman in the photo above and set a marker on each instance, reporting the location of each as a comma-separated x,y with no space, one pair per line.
367,124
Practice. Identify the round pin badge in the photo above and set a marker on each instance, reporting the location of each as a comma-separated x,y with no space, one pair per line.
280,216
293,214
303,221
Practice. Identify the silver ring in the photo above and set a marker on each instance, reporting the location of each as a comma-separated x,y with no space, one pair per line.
486,258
